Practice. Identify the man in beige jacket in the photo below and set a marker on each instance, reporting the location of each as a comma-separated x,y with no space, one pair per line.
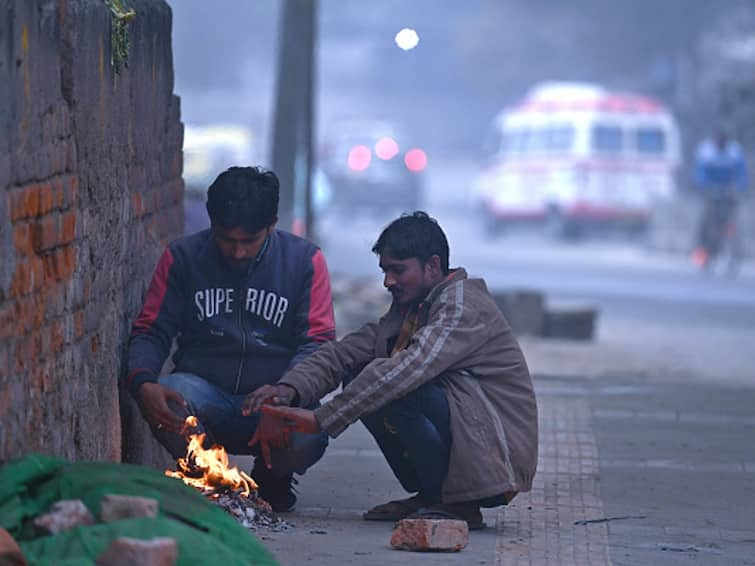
439,381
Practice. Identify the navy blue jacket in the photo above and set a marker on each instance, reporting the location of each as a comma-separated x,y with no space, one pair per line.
237,330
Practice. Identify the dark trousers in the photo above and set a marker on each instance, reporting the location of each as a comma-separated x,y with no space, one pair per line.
415,437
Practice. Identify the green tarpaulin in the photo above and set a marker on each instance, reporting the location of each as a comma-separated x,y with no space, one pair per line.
205,533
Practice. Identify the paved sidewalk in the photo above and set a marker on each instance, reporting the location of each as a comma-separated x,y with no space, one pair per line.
629,473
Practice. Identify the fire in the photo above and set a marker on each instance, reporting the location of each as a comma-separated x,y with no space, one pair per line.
207,469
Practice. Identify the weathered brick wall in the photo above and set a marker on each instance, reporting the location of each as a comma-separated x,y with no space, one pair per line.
90,192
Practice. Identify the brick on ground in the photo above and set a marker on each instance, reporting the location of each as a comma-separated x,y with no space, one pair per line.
126,551
439,535
10,553
116,507
63,515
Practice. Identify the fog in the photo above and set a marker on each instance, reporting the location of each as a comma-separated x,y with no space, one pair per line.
474,59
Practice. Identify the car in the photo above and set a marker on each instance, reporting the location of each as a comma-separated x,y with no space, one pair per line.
371,165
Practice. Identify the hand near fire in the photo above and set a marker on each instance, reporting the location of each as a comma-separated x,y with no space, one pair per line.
153,402
278,394
277,424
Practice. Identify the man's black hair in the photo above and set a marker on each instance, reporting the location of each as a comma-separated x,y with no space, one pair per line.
244,197
415,235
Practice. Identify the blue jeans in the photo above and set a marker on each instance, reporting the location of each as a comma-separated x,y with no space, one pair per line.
414,435
220,416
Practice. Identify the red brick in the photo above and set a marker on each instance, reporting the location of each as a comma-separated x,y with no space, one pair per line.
116,507
22,239
28,277
124,551
44,233
430,534
21,352
10,553
46,198
137,203
95,344
58,189
73,185
63,515
35,345
8,322
68,228
60,264
57,339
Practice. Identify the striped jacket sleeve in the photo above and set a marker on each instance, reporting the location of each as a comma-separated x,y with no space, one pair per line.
157,324
450,335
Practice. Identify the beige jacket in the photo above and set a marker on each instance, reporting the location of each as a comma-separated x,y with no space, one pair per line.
463,339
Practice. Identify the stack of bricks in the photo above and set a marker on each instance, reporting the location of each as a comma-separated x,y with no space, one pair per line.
90,192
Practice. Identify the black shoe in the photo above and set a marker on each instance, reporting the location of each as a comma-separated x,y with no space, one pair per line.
277,491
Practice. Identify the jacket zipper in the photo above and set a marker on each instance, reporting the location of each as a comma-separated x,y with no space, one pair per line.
241,315
243,347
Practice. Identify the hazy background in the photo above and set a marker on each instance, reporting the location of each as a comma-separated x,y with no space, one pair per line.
658,316
473,58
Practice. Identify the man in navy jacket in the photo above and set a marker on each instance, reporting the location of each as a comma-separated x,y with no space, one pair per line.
245,302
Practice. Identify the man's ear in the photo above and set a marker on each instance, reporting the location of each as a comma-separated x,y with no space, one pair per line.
272,225
433,266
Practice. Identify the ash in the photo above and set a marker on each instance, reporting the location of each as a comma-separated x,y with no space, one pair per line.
252,512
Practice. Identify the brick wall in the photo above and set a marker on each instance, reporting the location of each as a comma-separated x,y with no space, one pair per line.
90,192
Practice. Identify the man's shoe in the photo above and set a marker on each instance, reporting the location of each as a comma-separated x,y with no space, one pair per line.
394,510
277,491
468,512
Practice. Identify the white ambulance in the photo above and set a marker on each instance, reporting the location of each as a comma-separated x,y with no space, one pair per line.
573,155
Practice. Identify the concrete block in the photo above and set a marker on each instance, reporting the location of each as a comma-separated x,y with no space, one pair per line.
10,553
117,507
127,551
64,515
575,322
523,309
433,535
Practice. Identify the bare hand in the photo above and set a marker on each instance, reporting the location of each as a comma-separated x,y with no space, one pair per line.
153,402
279,394
276,425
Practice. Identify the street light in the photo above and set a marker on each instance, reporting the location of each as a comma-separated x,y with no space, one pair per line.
407,39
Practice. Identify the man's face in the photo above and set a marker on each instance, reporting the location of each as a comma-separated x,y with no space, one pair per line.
239,247
408,280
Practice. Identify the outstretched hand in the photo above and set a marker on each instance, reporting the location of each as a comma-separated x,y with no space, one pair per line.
277,424
278,394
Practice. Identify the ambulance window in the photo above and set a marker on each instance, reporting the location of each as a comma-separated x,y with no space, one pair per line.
651,140
607,139
561,138
538,140
518,141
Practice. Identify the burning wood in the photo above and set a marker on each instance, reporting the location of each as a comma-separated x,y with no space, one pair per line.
208,470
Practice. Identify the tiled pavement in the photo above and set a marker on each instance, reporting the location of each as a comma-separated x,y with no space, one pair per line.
541,527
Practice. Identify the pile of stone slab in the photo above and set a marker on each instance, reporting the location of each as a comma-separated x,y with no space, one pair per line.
529,314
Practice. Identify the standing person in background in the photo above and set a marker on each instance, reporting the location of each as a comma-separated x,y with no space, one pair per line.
721,178
246,302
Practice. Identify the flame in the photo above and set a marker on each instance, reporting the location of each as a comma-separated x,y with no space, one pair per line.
212,463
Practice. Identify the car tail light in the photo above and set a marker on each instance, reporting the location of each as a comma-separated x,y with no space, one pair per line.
386,148
415,160
359,158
